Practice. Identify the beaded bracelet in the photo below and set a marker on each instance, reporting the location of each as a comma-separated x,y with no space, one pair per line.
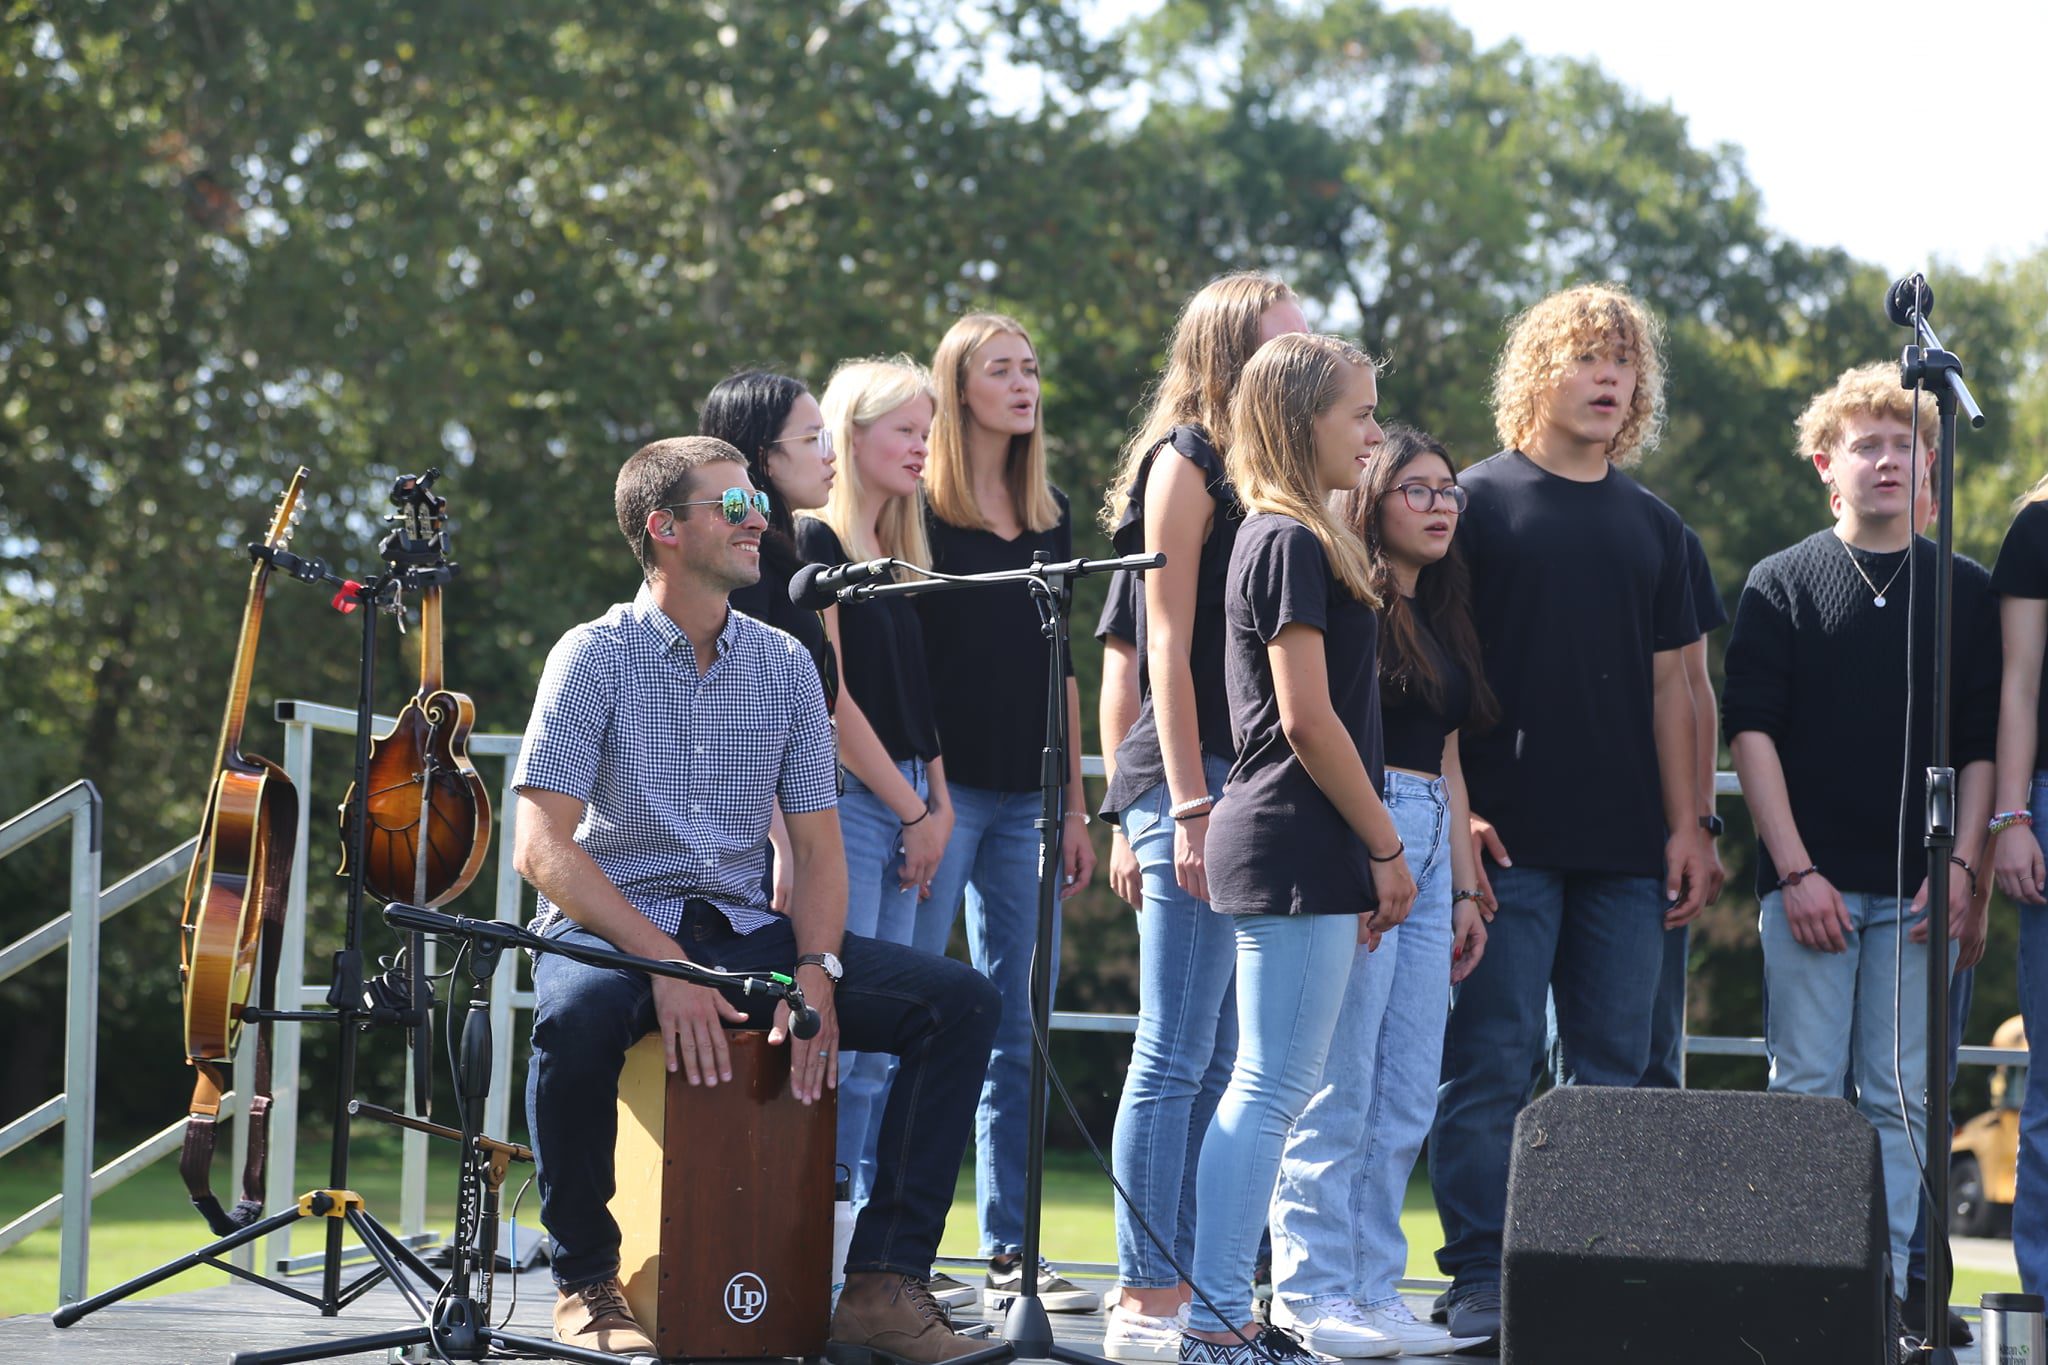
1191,805
2006,819
1957,859
1457,896
1794,878
1399,849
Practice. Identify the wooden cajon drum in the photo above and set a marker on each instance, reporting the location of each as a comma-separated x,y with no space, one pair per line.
724,1205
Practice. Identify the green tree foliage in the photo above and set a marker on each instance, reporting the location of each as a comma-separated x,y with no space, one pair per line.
516,241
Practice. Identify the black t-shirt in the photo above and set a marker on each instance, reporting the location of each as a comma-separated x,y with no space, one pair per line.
1277,846
1817,665
767,599
1575,588
986,657
1414,730
1122,609
2022,571
1139,763
882,646
1708,612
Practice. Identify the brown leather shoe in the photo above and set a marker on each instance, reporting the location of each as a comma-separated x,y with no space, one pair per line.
893,1318
596,1317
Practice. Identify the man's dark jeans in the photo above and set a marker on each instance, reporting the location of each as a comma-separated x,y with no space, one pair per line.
938,1016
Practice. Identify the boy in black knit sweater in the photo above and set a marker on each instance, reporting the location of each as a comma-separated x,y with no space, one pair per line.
1816,708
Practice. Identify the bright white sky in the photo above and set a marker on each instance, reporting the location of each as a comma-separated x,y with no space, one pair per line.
1818,94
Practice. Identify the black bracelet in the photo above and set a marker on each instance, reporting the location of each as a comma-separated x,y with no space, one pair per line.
922,818
1182,819
1399,849
1794,878
1957,859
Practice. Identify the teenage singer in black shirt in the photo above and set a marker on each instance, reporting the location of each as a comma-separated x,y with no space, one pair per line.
1584,795
1302,853
989,507
1831,740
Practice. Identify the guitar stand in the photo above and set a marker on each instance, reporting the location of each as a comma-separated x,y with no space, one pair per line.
354,1006
455,1324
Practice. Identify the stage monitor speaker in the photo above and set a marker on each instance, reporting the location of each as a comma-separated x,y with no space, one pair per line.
724,1205
1682,1226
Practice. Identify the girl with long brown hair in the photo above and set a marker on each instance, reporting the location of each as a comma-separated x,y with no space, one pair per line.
1172,494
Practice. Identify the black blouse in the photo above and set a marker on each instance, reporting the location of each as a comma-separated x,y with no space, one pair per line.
767,600
882,646
1414,730
1139,762
1277,845
986,656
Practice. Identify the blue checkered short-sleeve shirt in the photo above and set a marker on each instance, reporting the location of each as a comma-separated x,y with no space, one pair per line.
678,771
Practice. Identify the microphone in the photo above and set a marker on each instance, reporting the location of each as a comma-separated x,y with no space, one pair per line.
815,587
1905,296
803,1021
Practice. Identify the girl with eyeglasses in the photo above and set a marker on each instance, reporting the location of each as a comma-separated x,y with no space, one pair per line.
894,814
1338,1250
1166,769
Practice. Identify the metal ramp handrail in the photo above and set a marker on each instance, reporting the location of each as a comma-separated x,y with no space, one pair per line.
79,805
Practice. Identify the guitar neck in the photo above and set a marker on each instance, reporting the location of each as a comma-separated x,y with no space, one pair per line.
245,671
432,671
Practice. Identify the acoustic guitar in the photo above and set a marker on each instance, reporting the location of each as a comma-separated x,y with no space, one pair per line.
243,862
234,915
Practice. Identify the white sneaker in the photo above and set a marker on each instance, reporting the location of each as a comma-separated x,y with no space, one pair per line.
1410,1335
1335,1329
1137,1336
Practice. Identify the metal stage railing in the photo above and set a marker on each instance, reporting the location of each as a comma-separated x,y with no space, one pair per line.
90,906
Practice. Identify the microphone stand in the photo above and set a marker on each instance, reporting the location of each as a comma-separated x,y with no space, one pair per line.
456,1325
1928,364
1027,1331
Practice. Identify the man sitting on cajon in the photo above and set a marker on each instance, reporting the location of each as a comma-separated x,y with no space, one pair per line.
663,736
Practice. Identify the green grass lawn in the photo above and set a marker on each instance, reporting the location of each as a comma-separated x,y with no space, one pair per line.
149,1221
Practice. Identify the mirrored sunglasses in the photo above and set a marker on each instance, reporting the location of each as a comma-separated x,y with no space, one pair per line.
733,504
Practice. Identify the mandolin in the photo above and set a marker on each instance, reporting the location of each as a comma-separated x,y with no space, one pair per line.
428,813
239,871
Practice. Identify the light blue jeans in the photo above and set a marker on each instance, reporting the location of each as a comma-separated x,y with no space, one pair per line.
1344,1173
878,908
2030,1205
993,858
1291,972
1829,1010
1180,1060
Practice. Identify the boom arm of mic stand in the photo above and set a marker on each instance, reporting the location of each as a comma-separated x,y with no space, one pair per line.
1938,360
1072,568
503,935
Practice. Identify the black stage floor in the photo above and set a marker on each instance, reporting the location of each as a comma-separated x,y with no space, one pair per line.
208,1325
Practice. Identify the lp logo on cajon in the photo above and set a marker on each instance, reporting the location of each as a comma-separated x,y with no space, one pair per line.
746,1297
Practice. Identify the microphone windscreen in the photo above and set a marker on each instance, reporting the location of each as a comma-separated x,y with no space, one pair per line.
802,586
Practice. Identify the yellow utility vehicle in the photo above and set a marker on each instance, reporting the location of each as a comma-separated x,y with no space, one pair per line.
1984,1158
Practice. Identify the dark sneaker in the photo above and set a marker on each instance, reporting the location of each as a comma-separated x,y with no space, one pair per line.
885,1319
1473,1311
1272,1346
1056,1294
949,1291
1913,1313
597,1318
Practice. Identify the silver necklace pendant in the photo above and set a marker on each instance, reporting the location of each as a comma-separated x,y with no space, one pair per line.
1879,600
